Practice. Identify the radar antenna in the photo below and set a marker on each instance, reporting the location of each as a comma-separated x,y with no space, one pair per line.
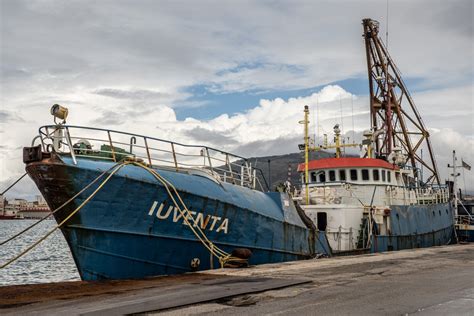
392,109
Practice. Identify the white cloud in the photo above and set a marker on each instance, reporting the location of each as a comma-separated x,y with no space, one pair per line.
125,65
269,128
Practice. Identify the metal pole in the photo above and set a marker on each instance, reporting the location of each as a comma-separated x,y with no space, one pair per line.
269,176
306,153
455,184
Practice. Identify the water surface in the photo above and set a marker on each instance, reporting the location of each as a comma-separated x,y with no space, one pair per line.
50,261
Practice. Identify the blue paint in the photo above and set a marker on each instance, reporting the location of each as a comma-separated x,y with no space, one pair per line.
465,235
114,236
118,234
417,226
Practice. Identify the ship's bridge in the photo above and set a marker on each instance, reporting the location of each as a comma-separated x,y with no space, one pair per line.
349,169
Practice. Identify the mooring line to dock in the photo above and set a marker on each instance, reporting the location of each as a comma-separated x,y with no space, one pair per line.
220,254
59,208
13,184
65,220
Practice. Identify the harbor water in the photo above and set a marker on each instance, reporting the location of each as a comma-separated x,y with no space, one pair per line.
50,261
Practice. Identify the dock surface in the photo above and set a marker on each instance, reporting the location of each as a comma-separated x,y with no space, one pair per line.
433,281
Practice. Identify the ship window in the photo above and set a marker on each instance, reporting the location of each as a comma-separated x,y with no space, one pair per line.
342,175
322,176
389,175
376,174
332,175
313,177
354,174
383,175
365,174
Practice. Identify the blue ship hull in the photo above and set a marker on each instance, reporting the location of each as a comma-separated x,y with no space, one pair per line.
130,229
417,226
465,235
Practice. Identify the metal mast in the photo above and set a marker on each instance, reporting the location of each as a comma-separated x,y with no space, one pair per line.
392,109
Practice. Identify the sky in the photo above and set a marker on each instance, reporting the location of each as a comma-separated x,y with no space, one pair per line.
230,74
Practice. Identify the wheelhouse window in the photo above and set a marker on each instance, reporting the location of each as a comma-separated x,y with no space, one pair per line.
332,175
342,175
322,177
375,175
383,175
313,177
354,174
389,176
365,174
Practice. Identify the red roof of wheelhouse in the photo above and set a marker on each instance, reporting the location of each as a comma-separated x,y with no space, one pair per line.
347,162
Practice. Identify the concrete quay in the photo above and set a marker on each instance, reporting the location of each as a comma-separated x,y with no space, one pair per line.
432,281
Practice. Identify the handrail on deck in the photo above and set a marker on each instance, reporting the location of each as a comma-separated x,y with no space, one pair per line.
61,136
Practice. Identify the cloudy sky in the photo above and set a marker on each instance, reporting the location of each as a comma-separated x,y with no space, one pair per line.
233,74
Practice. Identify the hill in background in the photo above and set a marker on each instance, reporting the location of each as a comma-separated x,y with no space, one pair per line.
277,171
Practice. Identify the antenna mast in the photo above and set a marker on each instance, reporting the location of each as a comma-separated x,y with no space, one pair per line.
392,109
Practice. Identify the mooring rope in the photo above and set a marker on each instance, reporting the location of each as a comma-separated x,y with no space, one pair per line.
63,221
221,255
59,208
13,184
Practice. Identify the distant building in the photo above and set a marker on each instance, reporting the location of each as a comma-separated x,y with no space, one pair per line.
9,211
2,204
35,209
21,208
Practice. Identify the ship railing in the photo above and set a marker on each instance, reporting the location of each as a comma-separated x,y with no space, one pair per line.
114,146
356,193
432,195
464,219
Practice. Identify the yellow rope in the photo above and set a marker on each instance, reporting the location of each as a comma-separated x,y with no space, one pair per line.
220,254
64,221
59,208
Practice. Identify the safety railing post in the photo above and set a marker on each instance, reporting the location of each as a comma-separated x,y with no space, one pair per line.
71,149
230,168
254,177
209,159
147,152
174,157
111,146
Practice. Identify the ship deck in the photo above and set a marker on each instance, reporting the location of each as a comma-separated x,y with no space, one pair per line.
431,281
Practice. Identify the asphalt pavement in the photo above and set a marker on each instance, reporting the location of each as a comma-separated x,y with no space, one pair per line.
433,281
